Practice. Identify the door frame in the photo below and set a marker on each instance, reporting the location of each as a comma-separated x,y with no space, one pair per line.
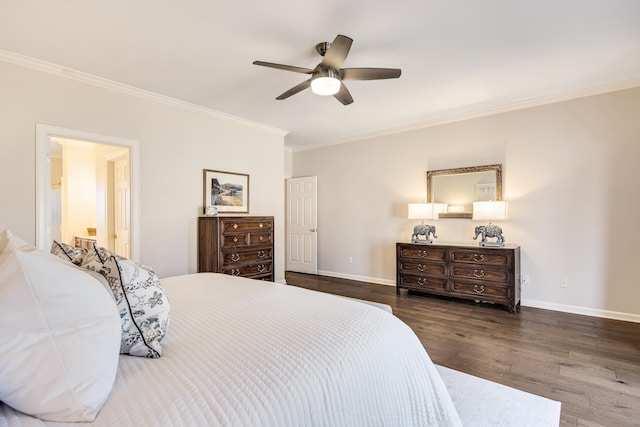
44,133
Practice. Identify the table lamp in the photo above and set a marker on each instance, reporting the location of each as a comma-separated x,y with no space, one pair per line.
490,211
424,211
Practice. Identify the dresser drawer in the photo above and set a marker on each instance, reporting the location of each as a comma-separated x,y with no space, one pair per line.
234,240
231,225
431,269
240,257
422,252
481,289
249,269
418,282
260,238
479,273
482,257
248,239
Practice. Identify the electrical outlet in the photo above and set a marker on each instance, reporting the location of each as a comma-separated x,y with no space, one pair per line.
350,260
564,282
525,279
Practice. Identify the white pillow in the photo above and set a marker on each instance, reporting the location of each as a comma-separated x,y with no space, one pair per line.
59,335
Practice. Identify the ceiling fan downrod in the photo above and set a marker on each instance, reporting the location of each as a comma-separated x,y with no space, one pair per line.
322,48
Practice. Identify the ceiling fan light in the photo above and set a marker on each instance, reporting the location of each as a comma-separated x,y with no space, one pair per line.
325,83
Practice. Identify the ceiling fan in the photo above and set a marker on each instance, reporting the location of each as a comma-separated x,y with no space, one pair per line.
326,78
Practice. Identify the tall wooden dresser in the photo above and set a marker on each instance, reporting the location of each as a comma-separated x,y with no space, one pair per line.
478,273
236,245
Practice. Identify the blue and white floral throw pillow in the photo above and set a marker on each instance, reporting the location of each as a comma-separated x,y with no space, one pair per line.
68,252
142,303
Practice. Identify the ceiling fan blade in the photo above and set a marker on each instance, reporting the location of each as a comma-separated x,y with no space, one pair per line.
370,73
337,52
343,95
297,88
284,67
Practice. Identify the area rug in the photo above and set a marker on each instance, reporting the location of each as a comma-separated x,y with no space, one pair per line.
484,403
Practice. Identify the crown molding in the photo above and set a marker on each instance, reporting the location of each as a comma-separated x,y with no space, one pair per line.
483,111
68,73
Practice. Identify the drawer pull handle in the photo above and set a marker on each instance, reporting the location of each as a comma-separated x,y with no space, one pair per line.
261,225
478,274
261,238
422,267
235,272
235,226
235,257
235,240
422,281
478,258
478,289
422,253
261,268
261,254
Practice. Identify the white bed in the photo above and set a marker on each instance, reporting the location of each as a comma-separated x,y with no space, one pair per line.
240,352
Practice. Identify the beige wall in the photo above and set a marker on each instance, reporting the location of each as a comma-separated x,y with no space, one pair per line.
175,146
571,177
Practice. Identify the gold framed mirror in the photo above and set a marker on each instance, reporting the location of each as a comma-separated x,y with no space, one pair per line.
460,187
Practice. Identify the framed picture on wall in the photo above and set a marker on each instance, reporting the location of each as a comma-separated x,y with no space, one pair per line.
228,192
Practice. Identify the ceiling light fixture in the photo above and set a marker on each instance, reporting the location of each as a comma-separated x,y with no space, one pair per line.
325,82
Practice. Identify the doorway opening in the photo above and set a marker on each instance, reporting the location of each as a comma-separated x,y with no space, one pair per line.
87,190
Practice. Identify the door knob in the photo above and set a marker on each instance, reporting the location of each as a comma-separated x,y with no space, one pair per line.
313,230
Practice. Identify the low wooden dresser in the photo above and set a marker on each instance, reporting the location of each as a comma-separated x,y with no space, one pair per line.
84,242
236,245
489,274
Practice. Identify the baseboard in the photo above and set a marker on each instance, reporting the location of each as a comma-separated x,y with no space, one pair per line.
375,280
585,311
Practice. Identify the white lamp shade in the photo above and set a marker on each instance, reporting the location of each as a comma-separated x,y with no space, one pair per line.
426,210
490,211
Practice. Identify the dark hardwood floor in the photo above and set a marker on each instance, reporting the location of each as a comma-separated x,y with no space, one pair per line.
591,365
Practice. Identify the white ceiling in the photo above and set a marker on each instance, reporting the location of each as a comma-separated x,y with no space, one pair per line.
456,57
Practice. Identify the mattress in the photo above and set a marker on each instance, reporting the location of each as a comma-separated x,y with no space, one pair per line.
241,352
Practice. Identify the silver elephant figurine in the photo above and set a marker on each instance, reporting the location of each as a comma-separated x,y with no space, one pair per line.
490,230
423,230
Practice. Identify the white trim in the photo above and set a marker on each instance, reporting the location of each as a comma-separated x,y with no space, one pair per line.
44,133
478,112
585,311
375,280
68,73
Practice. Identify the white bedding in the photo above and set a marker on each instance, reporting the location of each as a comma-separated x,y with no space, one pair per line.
241,352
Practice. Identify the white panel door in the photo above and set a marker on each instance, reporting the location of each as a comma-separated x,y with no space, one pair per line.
122,206
302,225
